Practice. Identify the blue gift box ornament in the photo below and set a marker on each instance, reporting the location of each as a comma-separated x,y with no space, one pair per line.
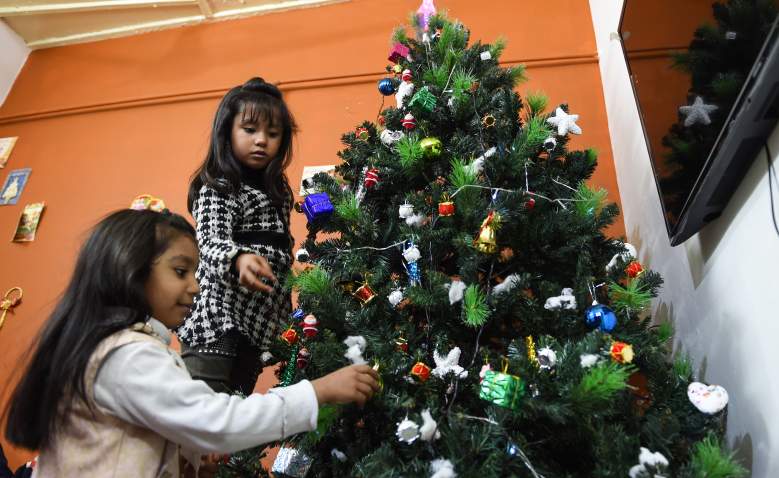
317,206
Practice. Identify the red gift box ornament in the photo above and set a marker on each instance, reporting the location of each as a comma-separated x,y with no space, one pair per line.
420,371
398,52
371,178
290,336
310,325
446,207
634,269
362,133
530,204
409,122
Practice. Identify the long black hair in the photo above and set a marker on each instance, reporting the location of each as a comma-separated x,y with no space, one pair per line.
106,294
256,100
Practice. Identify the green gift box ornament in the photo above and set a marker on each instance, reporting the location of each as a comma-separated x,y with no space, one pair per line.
424,99
502,389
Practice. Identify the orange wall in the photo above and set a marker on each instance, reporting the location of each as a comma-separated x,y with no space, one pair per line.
102,122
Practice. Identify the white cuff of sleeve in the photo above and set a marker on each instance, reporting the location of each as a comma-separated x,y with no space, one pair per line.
301,408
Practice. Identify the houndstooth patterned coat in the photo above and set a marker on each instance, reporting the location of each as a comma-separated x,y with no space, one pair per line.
226,226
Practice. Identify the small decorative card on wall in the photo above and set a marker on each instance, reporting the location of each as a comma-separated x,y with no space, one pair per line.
28,222
14,184
6,146
308,173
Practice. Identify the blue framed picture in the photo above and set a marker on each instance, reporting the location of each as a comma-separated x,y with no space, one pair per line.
13,186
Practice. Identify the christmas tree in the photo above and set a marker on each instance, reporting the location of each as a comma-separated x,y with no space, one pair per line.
718,60
460,251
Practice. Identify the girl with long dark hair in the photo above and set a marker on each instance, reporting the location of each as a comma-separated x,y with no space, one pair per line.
104,396
241,200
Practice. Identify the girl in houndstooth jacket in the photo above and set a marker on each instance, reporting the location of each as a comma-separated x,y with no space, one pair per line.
241,199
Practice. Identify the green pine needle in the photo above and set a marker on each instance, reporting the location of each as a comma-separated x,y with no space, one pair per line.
631,298
349,209
437,75
461,83
410,152
536,102
588,201
475,306
710,460
532,136
592,156
517,74
600,384
314,282
682,367
665,331
460,175
496,49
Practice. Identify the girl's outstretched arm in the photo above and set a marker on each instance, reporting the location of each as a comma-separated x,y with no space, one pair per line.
141,384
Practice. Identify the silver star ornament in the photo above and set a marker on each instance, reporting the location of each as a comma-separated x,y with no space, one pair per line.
565,123
697,112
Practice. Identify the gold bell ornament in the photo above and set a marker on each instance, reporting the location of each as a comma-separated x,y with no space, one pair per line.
485,242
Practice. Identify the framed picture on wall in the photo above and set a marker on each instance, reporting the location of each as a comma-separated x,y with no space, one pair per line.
13,186
28,222
6,146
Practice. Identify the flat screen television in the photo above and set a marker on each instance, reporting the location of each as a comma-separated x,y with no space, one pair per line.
706,80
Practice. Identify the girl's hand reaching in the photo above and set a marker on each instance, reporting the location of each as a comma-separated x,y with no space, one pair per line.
251,270
355,383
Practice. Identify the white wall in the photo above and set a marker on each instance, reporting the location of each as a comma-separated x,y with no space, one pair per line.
722,285
13,54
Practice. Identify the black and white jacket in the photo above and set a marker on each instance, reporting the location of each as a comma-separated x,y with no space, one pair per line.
227,225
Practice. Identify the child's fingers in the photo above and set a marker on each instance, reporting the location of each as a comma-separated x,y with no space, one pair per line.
249,280
265,269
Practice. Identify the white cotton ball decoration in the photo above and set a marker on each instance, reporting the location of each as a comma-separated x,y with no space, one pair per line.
338,455
566,301
547,358
565,122
416,220
442,468
629,253
266,357
412,254
456,291
646,457
508,283
588,360
395,297
708,399
407,431
485,55
448,364
404,90
356,346
389,137
429,429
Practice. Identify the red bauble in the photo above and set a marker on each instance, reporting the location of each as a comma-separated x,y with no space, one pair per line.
446,208
371,178
303,358
530,204
634,269
420,371
310,326
409,122
290,336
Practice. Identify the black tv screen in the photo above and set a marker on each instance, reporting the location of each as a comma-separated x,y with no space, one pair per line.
706,78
